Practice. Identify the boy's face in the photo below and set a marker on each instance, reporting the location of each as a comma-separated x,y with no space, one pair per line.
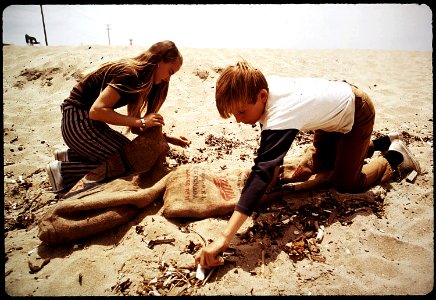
251,113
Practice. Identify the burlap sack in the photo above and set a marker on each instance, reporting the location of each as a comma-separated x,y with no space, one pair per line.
199,192
196,191
302,173
137,156
299,168
98,202
103,207
95,205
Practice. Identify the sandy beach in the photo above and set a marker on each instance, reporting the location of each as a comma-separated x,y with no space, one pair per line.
383,249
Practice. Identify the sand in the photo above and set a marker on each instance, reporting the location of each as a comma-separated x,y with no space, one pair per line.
384,251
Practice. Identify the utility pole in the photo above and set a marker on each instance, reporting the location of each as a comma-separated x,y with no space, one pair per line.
108,37
43,24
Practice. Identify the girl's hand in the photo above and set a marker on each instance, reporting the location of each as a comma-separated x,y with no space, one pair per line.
152,120
178,141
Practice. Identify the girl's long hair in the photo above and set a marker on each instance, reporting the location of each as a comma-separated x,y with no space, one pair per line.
145,65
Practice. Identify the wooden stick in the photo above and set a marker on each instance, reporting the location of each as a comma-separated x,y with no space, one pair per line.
263,263
208,275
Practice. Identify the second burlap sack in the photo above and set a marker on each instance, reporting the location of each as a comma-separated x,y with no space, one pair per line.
140,155
111,194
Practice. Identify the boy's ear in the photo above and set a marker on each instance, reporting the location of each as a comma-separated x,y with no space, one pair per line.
263,95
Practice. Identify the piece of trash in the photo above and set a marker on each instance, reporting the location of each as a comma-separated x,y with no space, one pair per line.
31,251
154,293
411,177
320,234
286,221
201,273
37,266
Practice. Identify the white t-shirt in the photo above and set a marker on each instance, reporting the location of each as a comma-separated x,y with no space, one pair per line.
308,104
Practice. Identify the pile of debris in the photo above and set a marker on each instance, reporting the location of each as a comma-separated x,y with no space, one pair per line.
310,220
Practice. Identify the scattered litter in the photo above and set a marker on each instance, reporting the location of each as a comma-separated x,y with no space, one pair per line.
36,267
152,243
320,233
172,281
201,273
412,176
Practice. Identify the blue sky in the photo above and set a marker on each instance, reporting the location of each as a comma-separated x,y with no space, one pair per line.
298,26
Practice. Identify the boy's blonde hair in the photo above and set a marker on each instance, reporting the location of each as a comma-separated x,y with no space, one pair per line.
236,86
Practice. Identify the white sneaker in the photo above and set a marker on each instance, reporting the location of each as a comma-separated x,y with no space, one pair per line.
54,175
409,162
61,154
393,136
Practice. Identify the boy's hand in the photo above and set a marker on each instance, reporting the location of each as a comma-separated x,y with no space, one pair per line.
275,180
320,180
208,256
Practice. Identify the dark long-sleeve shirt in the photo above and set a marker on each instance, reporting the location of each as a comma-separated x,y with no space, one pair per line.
274,144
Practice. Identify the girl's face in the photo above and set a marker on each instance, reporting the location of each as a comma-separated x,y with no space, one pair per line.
251,113
164,71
